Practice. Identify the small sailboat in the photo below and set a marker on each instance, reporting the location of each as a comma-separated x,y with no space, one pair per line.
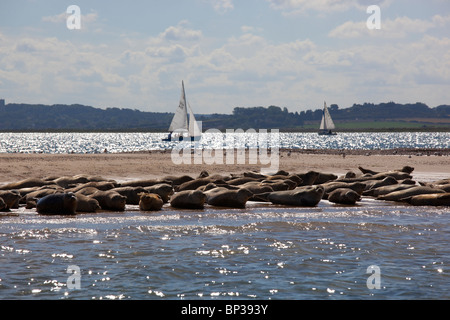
181,128
327,125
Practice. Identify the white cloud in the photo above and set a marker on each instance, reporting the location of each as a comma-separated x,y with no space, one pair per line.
62,17
222,6
301,6
180,33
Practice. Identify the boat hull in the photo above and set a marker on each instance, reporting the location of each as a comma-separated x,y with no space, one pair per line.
182,138
327,133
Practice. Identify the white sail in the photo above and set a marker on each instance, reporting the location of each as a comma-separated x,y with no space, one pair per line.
180,121
326,123
194,130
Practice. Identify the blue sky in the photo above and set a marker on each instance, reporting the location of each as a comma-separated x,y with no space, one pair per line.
289,53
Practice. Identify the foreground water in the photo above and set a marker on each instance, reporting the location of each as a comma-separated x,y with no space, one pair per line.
131,142
261,252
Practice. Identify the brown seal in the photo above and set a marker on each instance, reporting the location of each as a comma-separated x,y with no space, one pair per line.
306,196
432,199
188,199
410,192
86,204
110,200
150,202
344,196
223,197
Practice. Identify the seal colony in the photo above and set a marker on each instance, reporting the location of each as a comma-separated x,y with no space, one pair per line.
70,195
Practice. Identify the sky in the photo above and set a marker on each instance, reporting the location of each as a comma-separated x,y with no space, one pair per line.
289,53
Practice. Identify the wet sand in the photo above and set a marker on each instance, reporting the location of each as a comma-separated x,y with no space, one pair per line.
429,165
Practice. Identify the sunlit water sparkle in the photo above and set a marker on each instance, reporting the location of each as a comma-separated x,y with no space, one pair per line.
133,142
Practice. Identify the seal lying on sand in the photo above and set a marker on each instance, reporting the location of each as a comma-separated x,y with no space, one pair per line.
329,187
380,191
307,196
188,199
224,197
150,202
110,200
410,192
132,193
433,199
57,204
164,190
344,196
406,169
11,199
26,183
371,184
194,184
86,204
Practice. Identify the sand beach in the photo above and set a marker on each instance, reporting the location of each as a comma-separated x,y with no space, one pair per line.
429,165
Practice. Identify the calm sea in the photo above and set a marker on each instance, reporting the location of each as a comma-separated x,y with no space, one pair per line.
374,250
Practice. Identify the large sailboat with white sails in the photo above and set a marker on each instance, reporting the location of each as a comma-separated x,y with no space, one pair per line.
182,127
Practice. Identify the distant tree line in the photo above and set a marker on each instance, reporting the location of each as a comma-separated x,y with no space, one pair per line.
382,111
27,117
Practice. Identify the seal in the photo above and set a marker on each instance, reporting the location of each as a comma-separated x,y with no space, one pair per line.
308,178
150,202
67,181
306,196
143,183
325,177
188,199
3,206
372,184
410,192
432,199
42,193
380,191
57,204
110,200
87,191
11,198
344,196
86,204
100,185
25,183
132,194
223,197
406,169
329,187
164,190
176,180
278,185
194,184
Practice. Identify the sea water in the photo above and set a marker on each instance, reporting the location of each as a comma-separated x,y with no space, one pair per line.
132,142
262,252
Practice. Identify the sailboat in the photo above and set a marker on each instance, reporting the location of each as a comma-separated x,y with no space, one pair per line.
327,124
181,128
